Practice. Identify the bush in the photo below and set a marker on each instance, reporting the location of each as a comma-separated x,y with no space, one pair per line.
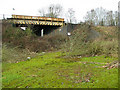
107,48
38,46
28,40
56,41
14,54
78,43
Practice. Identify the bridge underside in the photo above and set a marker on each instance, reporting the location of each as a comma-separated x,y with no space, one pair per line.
47,29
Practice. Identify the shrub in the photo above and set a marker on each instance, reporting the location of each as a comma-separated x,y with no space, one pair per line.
56,41
14,54
78,44
38,46
27,39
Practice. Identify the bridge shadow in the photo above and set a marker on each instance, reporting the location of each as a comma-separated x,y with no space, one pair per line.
47,29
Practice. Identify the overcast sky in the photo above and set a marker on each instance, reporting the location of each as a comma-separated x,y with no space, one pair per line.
31,7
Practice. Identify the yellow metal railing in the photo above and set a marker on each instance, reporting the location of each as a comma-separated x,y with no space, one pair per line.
21,19
37,22
37,17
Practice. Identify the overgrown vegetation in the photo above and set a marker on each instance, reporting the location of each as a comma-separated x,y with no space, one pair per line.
86,59
14,54
84,43
16,41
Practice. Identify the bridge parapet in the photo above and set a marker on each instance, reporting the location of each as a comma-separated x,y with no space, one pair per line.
21,19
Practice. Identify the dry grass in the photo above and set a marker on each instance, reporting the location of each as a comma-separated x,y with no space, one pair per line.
14,54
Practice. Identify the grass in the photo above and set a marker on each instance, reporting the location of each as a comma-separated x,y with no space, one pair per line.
50,70
80,67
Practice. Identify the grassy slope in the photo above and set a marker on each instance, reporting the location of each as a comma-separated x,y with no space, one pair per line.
54,70
50,70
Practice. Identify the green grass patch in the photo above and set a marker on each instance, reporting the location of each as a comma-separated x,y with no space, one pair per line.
50,70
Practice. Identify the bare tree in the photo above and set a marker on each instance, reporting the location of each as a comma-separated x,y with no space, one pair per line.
42,12
100,16
116,18
53,11
95,16
70,15
110,18
90,17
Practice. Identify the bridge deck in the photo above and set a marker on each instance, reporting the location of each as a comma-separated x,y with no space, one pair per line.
36,20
